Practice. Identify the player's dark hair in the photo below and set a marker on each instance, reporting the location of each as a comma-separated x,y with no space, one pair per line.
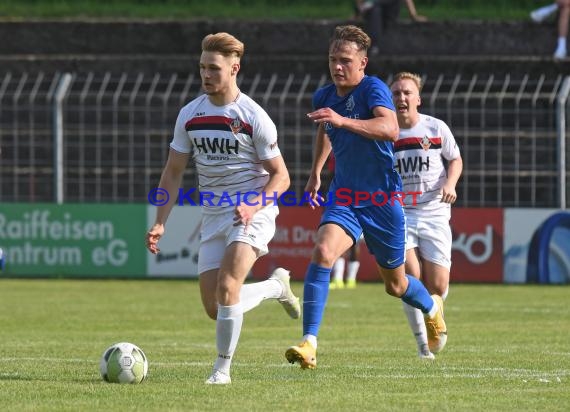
353,34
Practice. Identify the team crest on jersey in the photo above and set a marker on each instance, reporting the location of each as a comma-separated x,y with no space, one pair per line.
426,143
350,104
236,125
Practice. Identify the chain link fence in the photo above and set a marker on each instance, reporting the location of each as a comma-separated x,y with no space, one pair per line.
115,129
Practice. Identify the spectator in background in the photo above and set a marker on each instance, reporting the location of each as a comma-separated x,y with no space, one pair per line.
379,15
543,13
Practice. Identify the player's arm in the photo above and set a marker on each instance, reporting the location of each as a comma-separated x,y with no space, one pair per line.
383,126
170,181
321,153
278,183
454,169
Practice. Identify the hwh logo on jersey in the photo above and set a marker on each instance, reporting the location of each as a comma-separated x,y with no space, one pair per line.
411,164
216,145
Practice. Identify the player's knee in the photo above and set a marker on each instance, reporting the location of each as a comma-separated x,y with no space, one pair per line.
438,290
396,289
324,255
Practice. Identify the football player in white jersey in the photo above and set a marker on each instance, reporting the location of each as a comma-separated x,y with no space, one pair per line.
423,147
241,174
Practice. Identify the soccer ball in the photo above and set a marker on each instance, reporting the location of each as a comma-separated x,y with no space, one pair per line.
123,363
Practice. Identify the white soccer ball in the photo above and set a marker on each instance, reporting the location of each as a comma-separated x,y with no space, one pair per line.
123,363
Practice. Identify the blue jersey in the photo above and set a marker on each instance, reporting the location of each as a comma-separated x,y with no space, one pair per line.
362,165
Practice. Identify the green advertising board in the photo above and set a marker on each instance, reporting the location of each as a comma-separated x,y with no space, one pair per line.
91,240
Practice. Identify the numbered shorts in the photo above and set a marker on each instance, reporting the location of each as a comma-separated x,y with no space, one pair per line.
432,236
384,229
218,231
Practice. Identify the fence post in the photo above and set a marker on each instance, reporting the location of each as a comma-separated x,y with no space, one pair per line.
60,93
561,135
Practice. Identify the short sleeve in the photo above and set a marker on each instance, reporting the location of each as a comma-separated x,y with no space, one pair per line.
449,148
180,141
265,136
379,95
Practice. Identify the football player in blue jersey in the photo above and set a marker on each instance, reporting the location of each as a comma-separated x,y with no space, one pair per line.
356,119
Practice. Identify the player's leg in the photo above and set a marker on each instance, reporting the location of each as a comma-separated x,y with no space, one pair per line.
277,286
210,254
242,250
386,240
415,316
208,286
353,265
236,264
212,248
436,278
337,279
435,241
332,241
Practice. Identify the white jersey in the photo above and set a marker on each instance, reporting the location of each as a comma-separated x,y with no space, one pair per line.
228,144
419,154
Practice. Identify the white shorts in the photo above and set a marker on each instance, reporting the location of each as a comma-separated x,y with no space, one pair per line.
218,231
432,236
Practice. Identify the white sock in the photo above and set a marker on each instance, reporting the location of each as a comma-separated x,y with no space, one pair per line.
444,296
252,294
433,310
546,11
417,324
550,9
228,329
338,269
352,270
312,339
561,43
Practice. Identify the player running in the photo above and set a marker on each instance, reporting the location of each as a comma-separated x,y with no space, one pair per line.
356,117
424,145
233,143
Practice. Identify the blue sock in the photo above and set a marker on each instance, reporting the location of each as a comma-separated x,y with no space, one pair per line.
417,295
315,294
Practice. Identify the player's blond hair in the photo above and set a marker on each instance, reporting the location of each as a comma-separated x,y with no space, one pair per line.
223,43
410,76
352,34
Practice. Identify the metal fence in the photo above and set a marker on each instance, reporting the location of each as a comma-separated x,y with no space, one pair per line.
115,130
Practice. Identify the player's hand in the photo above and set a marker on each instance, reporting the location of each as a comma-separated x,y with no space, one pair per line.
312,189
326,115
153,236
448,194
243,214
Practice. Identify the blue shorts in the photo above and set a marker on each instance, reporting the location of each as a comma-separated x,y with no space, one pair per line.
384,229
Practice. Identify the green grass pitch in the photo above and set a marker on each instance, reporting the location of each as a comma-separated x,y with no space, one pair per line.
508,349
